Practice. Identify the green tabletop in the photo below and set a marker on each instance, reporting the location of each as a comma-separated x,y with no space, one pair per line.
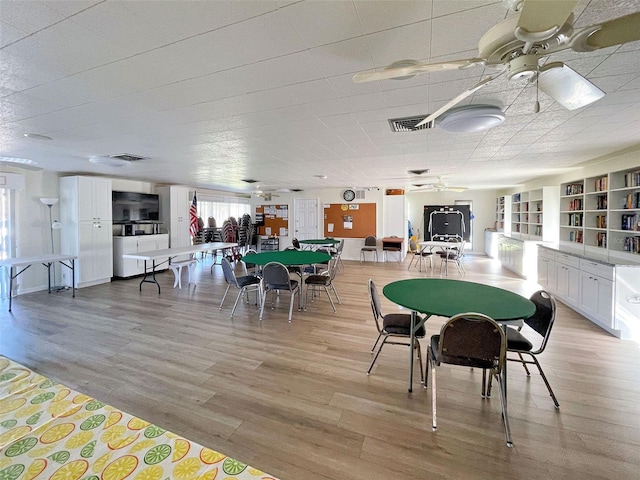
288,257
446,298
320,241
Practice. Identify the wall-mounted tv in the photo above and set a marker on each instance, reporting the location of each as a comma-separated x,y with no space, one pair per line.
131,207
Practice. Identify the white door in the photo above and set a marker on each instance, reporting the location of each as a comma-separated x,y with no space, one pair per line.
306,218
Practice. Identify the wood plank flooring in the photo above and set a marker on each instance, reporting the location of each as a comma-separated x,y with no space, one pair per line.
294,400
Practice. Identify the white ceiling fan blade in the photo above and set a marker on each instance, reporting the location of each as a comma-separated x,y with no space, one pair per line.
541,19
567,87
607,34
456,189
409,68
456,100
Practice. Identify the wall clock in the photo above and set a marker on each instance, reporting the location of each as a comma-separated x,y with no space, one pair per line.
349,195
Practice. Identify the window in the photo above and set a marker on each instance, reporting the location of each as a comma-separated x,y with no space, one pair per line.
222,208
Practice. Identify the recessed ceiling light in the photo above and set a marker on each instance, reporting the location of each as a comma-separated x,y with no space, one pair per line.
471,118
109,161
20,161
37,136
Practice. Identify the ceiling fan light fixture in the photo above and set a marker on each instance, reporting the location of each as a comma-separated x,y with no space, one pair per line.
567,87
471,118
108,161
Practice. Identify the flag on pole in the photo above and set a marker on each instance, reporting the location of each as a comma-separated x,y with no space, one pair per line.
193,216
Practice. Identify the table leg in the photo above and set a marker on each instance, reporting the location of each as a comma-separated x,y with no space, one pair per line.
48,276
411,347
10,286
73,277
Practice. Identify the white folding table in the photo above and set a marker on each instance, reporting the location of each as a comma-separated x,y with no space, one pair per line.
47,260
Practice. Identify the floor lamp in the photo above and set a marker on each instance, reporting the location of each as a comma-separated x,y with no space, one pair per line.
50,202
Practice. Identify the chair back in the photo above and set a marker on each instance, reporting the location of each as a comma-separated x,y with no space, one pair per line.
229,274
296,243
472,340
211,222
543,318
413,246
248,265
370,241
340,247
375,304
275,276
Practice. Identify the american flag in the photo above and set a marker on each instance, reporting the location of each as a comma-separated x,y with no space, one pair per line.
193,216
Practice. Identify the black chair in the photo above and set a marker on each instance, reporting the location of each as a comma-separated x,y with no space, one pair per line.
541,322
391,327
296,243
470,340
275,278
370,245
244,284
324,280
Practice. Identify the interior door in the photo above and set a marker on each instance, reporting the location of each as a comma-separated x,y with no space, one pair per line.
305,218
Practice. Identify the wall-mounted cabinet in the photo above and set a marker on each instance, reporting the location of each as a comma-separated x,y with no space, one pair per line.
534,215
599,215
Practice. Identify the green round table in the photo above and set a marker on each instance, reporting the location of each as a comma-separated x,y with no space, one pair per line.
289,258
447,297
317,242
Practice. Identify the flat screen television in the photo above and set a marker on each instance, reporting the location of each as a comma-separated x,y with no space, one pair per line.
131,207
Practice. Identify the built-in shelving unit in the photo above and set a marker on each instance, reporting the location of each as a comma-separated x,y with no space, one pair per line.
599,215
503,214
528,218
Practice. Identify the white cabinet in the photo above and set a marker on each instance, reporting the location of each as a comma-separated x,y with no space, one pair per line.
174,212
85,214
127,267
607,294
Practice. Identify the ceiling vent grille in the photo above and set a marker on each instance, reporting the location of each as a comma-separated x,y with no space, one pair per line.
359,194
408,124
127,157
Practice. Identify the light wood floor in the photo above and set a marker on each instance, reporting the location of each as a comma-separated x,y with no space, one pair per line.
294,399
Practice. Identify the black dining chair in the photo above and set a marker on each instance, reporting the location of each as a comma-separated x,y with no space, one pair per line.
470,340
370,245
275,278
244,284
391,328
323,280
418,255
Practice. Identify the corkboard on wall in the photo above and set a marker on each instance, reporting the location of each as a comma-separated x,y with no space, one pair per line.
275,220
349,220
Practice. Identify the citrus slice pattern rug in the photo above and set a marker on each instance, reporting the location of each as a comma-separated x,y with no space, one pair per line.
48,431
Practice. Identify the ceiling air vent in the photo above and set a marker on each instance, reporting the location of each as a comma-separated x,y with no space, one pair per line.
408,124
248,180
359,194
127,157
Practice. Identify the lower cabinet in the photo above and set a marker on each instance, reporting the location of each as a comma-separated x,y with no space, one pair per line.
607,294
126,267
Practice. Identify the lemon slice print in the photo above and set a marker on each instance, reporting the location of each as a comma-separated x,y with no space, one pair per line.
255,472
78,439
41,451
81,398
35,469
186,469
101,462
13,434
180,449
210,456
21,447
120,468
58,408
114,417
4,363
123,442
142,445
71,471
57,433
61,395
71,411
233,467
209,474
153,472
114,433
11,404
137,424
47,384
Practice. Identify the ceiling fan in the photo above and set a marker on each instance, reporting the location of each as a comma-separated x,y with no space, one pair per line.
438,186
516,45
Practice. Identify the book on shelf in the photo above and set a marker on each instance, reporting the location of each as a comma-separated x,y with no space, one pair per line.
629,222
575,236
632,244
574,189
601,221
575,219
575,204
600,184
601,240
632,200
632,179
601,202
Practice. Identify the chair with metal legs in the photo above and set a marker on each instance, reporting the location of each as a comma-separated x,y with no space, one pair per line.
244,284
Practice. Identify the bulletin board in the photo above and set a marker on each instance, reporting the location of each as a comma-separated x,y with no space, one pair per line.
273,220
350,220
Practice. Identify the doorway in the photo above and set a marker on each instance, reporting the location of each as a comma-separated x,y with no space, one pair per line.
305,218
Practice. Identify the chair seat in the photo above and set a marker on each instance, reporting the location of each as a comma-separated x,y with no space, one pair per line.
517,341
368,249
318,280
247,280
398,323
273,286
